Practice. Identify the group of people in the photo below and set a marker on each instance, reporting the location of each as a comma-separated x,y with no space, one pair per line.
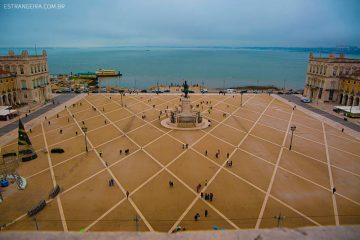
197,215
229,163
207,196
111,182
171,184
185,146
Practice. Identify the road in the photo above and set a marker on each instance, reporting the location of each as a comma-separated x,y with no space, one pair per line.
59,99
340,120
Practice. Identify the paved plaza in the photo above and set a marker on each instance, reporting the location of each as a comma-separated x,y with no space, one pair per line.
266,179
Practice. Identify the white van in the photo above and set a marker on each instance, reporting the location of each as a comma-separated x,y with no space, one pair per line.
230,90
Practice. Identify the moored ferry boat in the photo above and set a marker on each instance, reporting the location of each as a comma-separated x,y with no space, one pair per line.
109,73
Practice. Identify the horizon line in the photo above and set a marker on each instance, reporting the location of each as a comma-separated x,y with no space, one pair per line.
195,46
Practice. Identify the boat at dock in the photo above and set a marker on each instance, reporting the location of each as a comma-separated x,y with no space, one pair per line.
107,73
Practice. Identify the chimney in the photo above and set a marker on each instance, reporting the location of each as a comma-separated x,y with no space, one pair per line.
11,53
332,55
342,55
44,52
311,55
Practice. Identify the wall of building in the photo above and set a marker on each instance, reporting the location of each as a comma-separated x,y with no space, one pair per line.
323,74
8,89
32,75
349,90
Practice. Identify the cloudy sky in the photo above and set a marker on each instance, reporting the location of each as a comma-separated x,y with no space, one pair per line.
88,23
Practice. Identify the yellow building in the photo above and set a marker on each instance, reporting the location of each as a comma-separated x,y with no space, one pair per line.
349,89
8,89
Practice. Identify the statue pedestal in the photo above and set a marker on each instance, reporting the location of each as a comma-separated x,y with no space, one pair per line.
185,106
184,118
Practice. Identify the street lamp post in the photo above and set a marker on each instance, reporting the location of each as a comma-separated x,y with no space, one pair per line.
292,128
85,130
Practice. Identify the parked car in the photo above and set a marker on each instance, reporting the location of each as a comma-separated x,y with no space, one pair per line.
167,90
156,91
204,90
144,91
230,91
305,100
77,91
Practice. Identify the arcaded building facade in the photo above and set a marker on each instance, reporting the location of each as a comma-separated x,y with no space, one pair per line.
323,76
32,75
9,92
349,89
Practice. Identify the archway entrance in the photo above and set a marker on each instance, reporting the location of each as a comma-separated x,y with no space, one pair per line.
356,102
341,98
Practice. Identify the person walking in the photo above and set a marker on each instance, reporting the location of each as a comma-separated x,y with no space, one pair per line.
100,153
333,190
127,194
205,152
206,212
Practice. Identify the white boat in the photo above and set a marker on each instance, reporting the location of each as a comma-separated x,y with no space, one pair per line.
104,73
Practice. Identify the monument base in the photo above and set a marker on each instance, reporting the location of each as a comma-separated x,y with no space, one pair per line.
185,126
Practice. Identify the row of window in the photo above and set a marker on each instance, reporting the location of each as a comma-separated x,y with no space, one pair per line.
318,69
7,86
337,71
315,82
36,68
38,82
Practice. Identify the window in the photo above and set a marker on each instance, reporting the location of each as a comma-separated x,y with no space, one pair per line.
21,69
347,71
341,71
32,69
7,68
25,95
321,69
38,67
23,84
325,68
334,71
320,93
